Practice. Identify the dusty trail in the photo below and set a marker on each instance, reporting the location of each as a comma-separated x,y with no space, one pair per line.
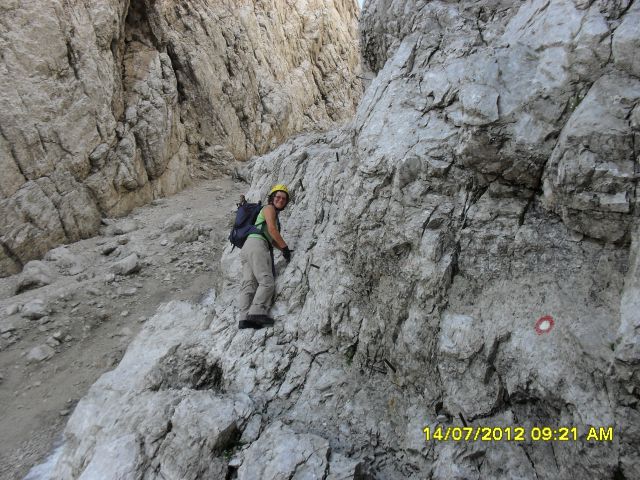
93,314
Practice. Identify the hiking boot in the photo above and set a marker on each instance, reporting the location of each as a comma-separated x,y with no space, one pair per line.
261,320
248,324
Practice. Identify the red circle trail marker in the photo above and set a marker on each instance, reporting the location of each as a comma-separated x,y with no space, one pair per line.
544,324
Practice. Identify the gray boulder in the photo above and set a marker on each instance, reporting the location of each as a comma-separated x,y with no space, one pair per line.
34,275
188,234
127,265
65,261
40,353
34,309
174,223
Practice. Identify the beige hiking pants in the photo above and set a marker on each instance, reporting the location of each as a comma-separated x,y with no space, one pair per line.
258,285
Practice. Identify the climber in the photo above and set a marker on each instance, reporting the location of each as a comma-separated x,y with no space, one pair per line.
258,269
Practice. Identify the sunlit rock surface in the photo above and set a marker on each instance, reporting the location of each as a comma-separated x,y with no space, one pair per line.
488,180
108,105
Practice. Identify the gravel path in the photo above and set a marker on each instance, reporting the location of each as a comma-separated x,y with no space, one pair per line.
57,339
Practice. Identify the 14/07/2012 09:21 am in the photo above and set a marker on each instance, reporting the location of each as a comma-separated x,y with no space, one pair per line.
515,434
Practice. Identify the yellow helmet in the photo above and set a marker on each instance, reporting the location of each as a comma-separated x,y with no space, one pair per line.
280,188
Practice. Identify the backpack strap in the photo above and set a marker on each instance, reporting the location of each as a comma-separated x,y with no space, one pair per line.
261,226
273,261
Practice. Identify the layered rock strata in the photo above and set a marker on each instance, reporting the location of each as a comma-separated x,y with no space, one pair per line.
108,105
465,254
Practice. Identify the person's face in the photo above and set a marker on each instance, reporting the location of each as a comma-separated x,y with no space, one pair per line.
280,200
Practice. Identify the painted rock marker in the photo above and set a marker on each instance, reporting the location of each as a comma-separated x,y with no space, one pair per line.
544,324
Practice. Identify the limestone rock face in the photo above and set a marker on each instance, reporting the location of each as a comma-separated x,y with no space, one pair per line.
179,388
465,254
108,105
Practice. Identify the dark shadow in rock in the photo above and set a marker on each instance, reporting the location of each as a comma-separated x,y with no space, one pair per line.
186,367
364,472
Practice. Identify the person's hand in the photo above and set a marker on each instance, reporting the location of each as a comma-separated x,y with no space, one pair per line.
286,253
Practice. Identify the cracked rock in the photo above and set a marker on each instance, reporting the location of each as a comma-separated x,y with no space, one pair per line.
280,451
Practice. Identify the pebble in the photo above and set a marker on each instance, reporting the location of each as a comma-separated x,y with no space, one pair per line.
7,326
174,223
164,242
57,335
127,265
574,236
125,226
65,412
34,309
68,338
52,342
35,274
40,353
124,313
128,292
123,240
12,309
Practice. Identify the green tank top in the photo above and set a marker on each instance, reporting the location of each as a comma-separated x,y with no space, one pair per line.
265,230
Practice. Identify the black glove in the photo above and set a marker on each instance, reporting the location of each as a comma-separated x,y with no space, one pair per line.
286,253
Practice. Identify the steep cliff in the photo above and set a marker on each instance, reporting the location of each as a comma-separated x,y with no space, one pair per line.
466,254
108,105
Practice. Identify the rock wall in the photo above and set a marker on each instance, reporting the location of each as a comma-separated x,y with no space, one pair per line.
465,253
108,105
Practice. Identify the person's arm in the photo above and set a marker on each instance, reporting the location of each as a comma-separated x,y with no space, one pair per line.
269,213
